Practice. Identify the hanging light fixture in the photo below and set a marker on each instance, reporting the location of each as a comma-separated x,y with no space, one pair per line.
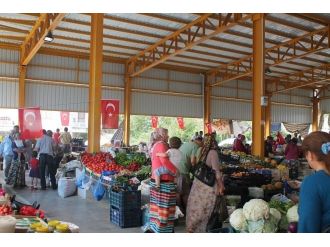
268,71
49,37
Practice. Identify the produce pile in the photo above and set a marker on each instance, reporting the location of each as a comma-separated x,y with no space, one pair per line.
100,162
257,216
124,167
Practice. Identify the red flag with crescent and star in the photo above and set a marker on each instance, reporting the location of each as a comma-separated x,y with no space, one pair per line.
154,122
209,128
110,113
180,122
65,118
29,120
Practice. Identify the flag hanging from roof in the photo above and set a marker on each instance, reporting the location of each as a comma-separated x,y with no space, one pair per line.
110,113
30,125
154,122
65,118
180,122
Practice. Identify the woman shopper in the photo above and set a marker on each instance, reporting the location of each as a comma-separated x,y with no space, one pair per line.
202,197
162,201
314,196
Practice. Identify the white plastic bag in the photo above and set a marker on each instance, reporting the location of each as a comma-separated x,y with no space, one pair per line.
66,187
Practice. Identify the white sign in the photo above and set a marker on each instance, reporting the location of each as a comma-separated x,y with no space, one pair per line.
264,100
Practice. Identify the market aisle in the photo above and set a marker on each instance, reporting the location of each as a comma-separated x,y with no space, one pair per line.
91,216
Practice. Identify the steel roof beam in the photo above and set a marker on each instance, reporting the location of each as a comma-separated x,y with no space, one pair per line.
239,34
232,42
35,39
313,18
304,78
158,53
278,54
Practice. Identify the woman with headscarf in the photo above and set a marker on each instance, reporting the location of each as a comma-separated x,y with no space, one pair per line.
239,145
162,200
202,197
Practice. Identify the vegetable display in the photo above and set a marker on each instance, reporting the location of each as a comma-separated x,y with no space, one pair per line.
256,209
100,162
255,217
292,214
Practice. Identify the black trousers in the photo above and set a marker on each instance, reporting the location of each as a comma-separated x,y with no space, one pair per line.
46,160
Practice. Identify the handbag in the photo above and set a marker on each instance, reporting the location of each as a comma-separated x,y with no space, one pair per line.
219,214
204,173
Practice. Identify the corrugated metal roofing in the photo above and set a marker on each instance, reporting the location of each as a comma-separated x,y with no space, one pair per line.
126,26
152,20
295,20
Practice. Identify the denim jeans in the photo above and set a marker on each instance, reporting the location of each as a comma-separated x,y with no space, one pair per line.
7,163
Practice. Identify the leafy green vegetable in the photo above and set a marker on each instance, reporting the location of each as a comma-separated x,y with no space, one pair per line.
280,206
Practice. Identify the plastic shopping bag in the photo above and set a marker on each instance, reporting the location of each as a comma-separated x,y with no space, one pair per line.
99,190
79,181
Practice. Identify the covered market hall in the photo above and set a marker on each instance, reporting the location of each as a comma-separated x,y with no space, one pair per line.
261,68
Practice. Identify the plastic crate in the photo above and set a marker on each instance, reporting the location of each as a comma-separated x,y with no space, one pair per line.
125,219
125,200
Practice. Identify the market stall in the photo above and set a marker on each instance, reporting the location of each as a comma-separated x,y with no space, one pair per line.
17,217
118,179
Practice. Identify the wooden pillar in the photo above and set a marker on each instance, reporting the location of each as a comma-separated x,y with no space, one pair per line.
268,117
127,105
315,124
258,84
95,81
207,101
21,86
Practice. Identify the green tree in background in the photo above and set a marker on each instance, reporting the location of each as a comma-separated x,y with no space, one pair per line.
141,128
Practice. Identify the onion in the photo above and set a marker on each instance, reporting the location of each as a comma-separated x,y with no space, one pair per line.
293,227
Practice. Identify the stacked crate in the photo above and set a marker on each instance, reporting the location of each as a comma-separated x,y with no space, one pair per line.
125,208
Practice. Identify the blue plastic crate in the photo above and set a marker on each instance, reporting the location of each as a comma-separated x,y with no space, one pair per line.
125,200
125,219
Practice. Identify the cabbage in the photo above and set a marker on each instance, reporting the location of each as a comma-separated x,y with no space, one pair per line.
256,209
256,226
269,226
275,215
284,223
292,214
238,221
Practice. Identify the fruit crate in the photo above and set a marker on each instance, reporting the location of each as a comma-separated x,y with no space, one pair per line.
125,200
125,219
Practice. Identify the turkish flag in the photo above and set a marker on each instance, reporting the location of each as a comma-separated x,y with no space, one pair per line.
180,122
65,118
110,113
209,128
154,121
30,125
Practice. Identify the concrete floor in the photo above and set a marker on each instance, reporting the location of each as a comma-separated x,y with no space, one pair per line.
90,215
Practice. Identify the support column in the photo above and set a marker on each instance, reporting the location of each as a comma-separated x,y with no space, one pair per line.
127,105
95,81
315,124
21,86
258,84
268,117
207,101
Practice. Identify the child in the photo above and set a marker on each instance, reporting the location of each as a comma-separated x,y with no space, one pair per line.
34,171
175,156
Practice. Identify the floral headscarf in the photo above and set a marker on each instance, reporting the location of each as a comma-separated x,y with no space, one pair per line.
156,136
209,141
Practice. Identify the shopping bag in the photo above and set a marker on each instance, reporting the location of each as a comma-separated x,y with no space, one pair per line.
99,190
79,181
219,214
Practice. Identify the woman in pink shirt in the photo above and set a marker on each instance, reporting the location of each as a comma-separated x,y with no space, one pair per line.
162,200
292,151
